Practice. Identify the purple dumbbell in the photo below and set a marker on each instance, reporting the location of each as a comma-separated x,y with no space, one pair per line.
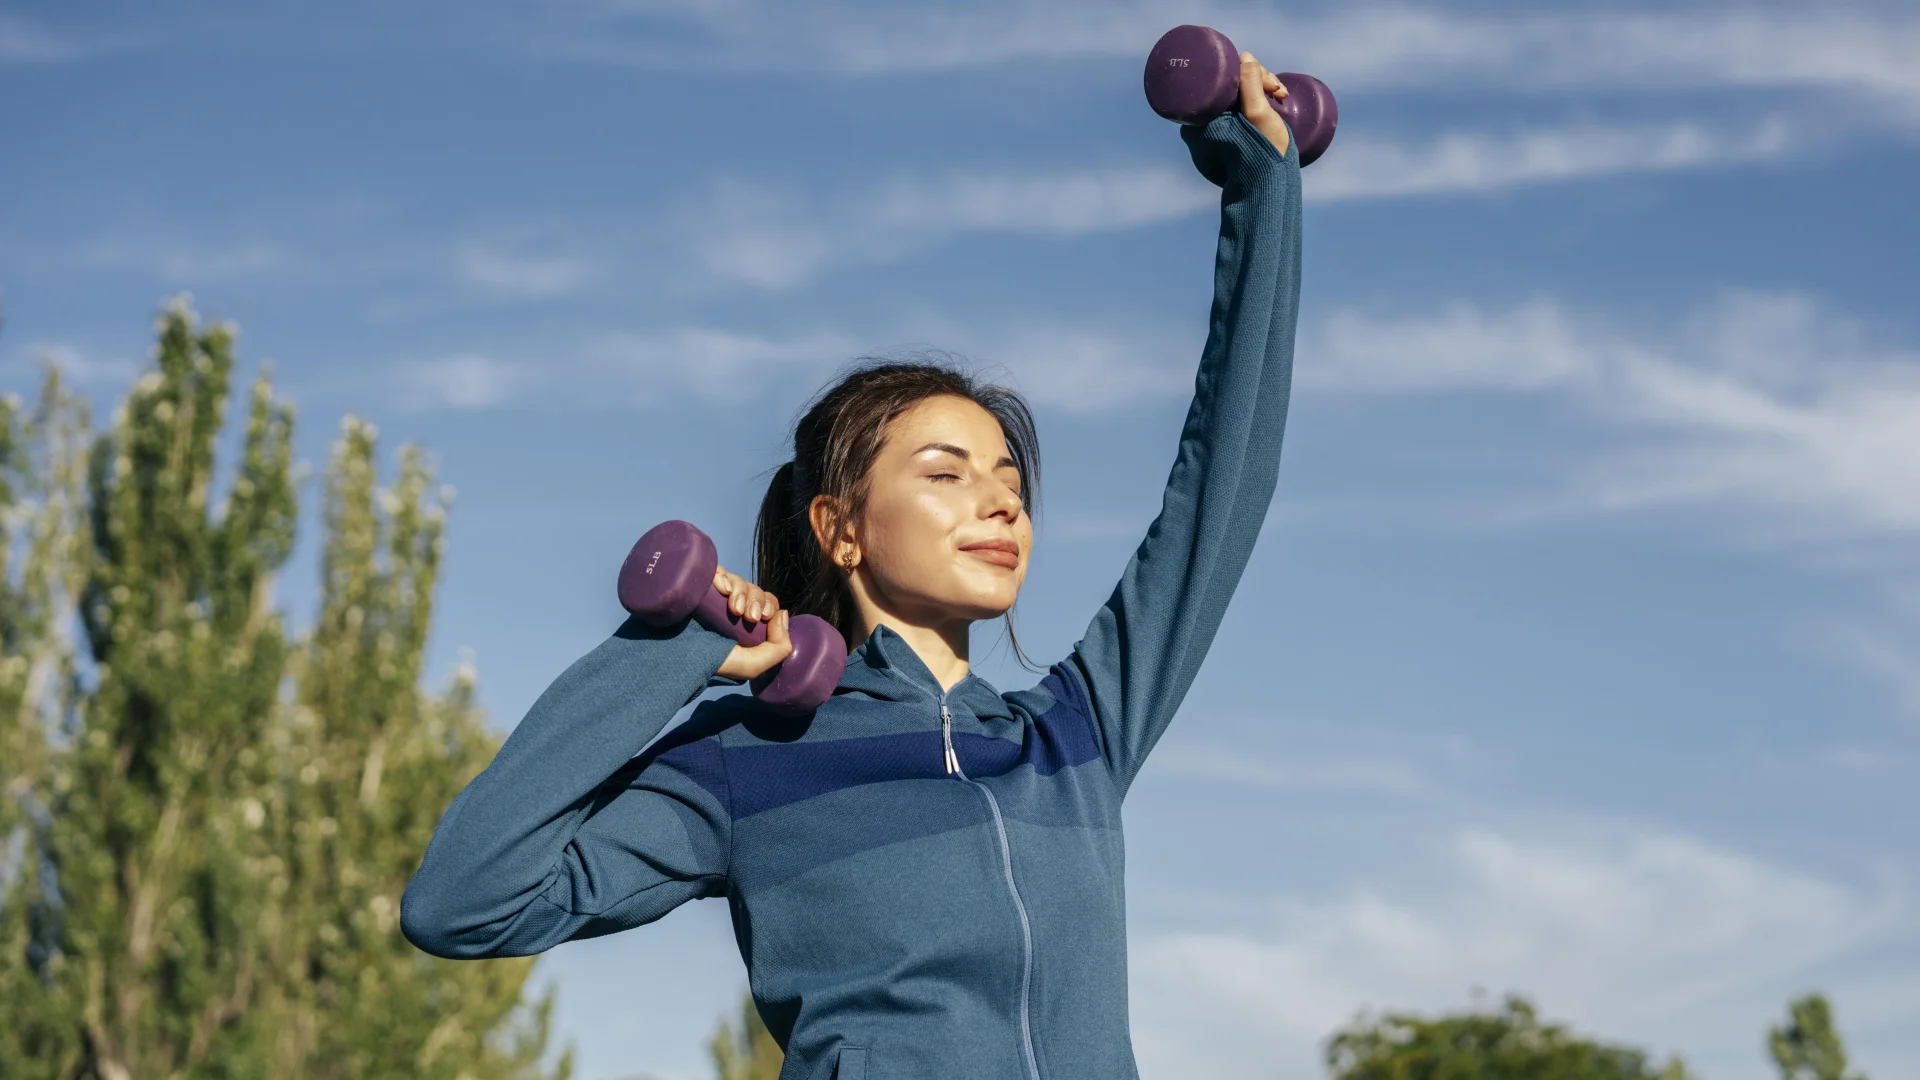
669,575
1193,75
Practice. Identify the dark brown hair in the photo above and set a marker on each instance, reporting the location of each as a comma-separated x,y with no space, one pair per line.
835,444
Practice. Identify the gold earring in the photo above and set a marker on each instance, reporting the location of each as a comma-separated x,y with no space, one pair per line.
846,561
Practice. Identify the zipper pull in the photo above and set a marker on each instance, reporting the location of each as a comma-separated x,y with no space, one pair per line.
946,736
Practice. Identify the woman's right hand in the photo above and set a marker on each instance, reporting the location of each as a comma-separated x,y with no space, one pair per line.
1218,151
751,602
1256,82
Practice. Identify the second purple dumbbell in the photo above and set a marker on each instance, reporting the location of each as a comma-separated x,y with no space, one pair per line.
1193,75
669,575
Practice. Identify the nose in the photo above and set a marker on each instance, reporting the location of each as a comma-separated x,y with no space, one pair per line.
1002,502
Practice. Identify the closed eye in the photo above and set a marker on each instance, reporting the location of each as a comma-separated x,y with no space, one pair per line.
944,476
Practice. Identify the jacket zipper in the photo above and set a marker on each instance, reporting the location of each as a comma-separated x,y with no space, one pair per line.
1013,890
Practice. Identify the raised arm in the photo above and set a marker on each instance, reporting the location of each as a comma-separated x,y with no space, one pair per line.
566,834
1144,647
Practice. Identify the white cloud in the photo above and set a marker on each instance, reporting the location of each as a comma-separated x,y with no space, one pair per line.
1216,765
1466,161
621,369
81,366
26,42
188,267
762,236
710,363
528,276
1652,937
1055,365
1888,654
1761,401
1076,370
759,235
180,263
1529,347
468,381
1857,48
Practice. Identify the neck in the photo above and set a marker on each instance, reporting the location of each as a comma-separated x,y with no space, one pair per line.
942,647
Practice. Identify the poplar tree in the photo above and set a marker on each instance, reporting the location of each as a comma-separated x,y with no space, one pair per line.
42,462
370,764
208,823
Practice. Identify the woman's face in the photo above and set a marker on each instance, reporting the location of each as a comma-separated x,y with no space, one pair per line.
944,536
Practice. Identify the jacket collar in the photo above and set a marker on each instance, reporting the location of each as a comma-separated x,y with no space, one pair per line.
887,668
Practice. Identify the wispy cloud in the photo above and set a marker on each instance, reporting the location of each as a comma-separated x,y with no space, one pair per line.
1384,776
1658,937
1889,652
1466,161
1859,47
466,381
1079,370
1761,401
709,363
77,365
534,277
755,234
23,41
188,267
764,236
1056,365
177,262
620,370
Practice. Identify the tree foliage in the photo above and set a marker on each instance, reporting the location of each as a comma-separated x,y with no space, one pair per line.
42,568
208,820
1808,1047
745,1050
1511,1043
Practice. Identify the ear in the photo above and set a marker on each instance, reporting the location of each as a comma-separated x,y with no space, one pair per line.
834,533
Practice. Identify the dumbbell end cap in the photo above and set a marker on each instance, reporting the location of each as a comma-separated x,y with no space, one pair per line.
1193,74
667,573
805,680
1311,113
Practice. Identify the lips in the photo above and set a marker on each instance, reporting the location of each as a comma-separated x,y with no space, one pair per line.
1003,553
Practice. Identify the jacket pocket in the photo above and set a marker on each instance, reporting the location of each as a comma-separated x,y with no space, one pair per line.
851,1064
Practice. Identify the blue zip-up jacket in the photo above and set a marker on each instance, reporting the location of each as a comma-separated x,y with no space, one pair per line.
901,921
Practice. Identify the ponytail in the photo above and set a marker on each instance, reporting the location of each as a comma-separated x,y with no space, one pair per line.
788,561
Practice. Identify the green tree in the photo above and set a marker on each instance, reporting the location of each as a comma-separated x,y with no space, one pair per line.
1509,1044
745,1051
42,462
1808,1047
369,763
208,824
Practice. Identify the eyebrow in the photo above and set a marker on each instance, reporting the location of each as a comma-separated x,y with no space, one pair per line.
962,454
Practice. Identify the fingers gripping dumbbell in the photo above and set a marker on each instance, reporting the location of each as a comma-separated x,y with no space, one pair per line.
1193,75
669,575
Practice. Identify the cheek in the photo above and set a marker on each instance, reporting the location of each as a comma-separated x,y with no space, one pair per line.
909,529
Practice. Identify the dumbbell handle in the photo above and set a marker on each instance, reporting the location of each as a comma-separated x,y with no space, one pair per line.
714,614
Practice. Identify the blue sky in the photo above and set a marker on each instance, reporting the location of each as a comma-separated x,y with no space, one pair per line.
1581,653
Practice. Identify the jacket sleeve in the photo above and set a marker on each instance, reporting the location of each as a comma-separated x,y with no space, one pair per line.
567,834
1144,647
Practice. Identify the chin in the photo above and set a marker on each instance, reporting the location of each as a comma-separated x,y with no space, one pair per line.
981,608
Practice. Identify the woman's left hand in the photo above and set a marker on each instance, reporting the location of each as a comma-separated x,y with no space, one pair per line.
1256,82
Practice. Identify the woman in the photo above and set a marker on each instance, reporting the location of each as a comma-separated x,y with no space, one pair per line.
925,875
